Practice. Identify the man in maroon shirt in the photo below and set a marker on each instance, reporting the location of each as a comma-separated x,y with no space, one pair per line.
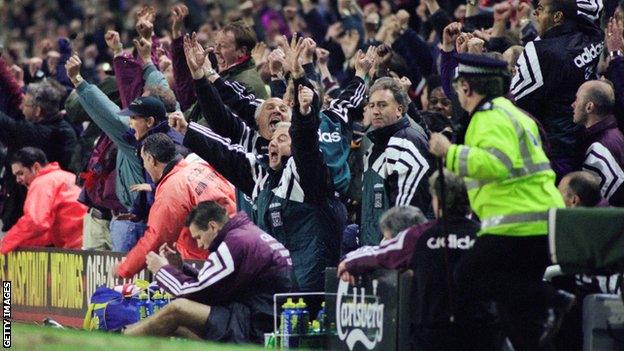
230,298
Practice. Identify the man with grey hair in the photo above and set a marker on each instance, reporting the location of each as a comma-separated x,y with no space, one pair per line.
431,252
399,218
396,164
40,125
252,122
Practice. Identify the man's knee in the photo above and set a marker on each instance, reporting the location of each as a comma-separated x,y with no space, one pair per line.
174,310
183,308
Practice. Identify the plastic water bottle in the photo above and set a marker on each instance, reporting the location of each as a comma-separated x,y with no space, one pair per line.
321,317
303,318
143,305
289,323
167,297
159,301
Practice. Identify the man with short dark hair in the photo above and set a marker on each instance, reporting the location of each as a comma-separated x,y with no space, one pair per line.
396,164
602,142
52,213
511,188
231,298
551,69
145,115
179,187
234,43
580,189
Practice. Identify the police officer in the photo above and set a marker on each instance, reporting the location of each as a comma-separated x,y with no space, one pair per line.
510,186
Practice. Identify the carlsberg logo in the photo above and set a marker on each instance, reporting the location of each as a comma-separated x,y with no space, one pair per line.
359,318
588,55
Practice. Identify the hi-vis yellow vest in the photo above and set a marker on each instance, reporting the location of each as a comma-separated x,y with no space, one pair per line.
510,183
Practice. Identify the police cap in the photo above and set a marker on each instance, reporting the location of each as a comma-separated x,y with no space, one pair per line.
479,65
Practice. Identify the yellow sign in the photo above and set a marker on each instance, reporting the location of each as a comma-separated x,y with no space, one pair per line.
28,272
67,287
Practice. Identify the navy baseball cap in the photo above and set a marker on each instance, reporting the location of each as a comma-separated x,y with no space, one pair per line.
145,106
479,65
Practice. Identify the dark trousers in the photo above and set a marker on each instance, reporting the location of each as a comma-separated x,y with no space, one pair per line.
509,271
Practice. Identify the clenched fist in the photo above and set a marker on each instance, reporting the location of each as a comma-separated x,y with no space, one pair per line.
73,69
306,95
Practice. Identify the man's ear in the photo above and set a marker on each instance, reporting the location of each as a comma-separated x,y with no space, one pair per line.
151,121
38,111
466,88
589,107
401,109
243,51
576,200
36,167
558,17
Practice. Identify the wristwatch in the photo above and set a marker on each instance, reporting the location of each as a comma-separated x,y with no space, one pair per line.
210,71
78,80
615,53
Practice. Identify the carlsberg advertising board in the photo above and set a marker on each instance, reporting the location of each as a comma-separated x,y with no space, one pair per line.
363,317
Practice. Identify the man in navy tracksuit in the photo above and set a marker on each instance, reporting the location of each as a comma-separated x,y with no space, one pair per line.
551,69
230,298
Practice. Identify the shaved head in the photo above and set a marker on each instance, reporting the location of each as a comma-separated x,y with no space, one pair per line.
600,92
595,100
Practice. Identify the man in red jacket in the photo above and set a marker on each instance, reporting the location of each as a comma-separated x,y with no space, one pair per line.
52,213
180,186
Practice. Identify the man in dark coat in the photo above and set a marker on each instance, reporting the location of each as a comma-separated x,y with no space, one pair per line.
39,125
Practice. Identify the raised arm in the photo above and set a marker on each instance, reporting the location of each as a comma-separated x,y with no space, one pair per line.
220,119
349,104
237,166
100,108
184,81
11,96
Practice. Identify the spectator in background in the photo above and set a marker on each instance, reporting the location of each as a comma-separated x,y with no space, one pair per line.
602,143
580,189
180,187
399,218
614,41
231,298
233,50
38,124
550,71
52,213
396,164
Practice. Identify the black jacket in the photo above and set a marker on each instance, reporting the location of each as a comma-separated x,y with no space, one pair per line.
54,136
548,74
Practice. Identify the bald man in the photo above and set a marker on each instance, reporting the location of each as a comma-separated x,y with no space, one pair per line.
601,141
580,189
